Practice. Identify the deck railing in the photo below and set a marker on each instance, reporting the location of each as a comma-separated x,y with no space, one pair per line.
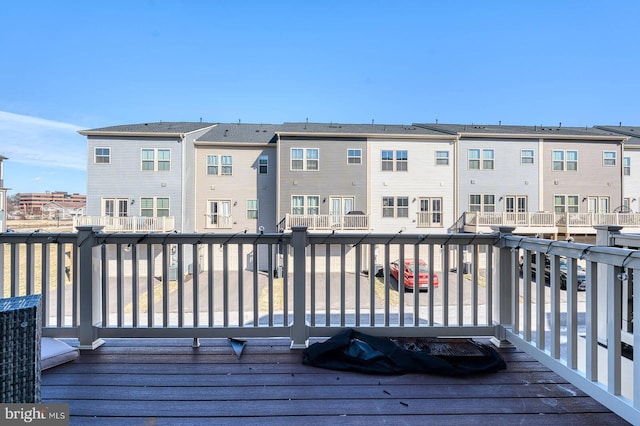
97,285
327,221
549,220
128,223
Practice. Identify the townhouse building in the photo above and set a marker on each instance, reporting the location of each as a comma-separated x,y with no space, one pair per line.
236,172
143,171
631,157
535,178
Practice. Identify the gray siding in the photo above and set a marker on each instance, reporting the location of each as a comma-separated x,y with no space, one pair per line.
591,179
124,177
334,178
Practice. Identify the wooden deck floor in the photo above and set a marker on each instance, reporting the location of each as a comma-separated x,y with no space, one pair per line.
153,382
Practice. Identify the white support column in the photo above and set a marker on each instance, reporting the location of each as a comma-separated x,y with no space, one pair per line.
502,285
603,238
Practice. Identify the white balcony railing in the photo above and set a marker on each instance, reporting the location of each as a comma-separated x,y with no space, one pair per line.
97,285
327,221
127,224
554,222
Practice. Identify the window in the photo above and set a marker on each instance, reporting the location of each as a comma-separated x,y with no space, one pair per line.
164,160
598,204
227,165
395,206
212,165
527,156
564,160
252,209
155,159
442,158
487,163
354,156
305,159
263,164
219,165
609,158
401,160
487,159
154,206
565,203
430,213
102,156
626,163
305,204
387,160
219,214
482,203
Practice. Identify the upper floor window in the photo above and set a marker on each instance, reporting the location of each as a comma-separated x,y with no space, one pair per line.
305,158
609,158
442,158
219,165
395,206
486,162
564,160
401,158
156,159
354,156
527,156
102,155
263,164
154,206
626,170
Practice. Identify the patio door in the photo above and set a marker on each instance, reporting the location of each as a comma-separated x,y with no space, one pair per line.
517,205
115,207
339,206
219,214
598,204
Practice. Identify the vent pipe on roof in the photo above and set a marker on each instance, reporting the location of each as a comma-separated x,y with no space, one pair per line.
372,121
436,121
535,128
238,121
620,125
499,122
560,124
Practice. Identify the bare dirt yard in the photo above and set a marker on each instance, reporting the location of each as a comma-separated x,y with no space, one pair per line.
41,225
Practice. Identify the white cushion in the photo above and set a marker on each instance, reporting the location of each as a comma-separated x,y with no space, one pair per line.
55,352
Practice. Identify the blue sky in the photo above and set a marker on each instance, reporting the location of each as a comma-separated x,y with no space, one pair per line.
70,65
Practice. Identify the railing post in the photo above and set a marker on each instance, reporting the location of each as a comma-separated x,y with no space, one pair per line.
503,287
299,327
603,238
89,287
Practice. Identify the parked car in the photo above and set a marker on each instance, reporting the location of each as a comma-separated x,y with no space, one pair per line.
581,273
409,274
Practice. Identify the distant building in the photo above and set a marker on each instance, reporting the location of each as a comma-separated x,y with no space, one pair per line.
3,198
32,204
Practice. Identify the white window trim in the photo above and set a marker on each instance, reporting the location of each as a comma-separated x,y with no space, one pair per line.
481,159
305,205
305,159
532,157
615,158
156,160
358,156
565,160
442,158
218,165
95,155
395,207
257,209
155,206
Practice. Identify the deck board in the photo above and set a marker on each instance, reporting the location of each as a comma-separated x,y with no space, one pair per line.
154,381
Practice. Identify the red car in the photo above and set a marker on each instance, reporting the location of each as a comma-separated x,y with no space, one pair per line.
423,275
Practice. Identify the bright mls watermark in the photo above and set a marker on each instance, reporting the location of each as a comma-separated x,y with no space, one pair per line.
34,414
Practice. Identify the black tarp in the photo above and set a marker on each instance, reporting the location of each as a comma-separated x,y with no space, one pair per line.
351,350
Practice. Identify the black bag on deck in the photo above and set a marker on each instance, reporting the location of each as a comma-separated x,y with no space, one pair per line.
351,350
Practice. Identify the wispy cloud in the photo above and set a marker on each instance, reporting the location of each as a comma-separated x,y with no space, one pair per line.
37,141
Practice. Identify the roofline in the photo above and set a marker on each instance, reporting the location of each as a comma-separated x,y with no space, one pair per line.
159,134
620,138
236,143
367,135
